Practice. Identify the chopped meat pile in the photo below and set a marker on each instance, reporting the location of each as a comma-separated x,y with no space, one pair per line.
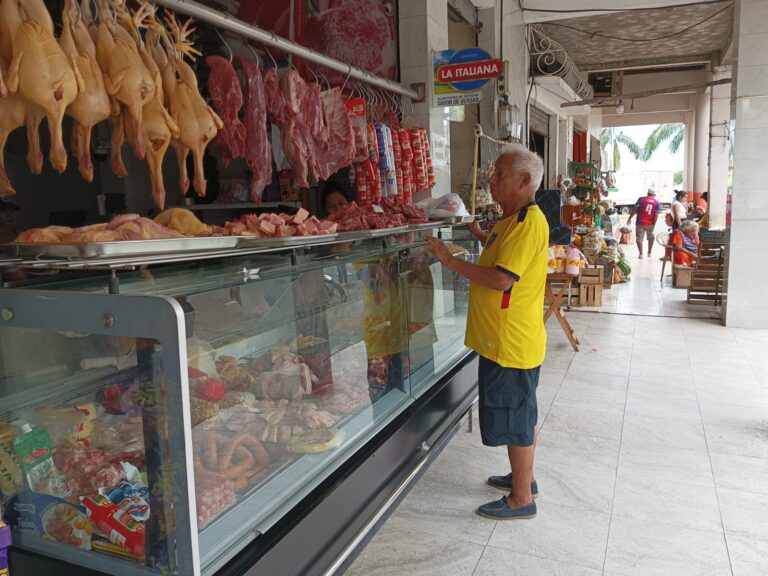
412,214
123,227
354,217
269,225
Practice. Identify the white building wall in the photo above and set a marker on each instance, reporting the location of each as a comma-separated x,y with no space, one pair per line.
701,143
746,303
719,149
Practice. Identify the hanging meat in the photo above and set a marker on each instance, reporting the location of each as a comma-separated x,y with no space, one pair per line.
296,136
276,103
227,97
258,148
340,149
92,104
39,69
126,76
13,109
198,123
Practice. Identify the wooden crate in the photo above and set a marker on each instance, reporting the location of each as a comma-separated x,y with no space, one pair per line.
593,275
591,295
682,276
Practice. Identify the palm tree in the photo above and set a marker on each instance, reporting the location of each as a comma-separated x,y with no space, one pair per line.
610,139
677,179
675,133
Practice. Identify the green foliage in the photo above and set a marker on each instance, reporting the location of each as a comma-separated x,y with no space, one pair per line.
611,142
677,179
674,133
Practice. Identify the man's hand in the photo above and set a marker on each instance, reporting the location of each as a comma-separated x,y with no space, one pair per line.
440,250
475,230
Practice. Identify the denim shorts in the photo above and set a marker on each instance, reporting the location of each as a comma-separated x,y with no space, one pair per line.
508,410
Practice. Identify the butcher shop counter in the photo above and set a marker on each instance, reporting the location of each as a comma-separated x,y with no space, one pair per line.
254,415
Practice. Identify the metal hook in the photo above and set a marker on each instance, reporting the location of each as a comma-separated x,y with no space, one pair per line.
274,62
349,72
255,54
226,45
317,80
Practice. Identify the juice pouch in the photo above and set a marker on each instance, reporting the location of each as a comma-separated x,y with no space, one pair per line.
33,447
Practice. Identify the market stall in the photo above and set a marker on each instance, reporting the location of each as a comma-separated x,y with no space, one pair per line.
244,387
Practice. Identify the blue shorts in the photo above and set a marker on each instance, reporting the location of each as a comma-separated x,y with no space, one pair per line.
508,408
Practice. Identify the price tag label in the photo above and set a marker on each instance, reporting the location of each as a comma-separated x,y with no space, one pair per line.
446,233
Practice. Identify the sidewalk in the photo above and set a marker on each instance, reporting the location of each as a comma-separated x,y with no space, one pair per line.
652,461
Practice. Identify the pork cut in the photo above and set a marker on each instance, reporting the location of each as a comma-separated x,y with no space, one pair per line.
258,152
340,138
227,96
276,103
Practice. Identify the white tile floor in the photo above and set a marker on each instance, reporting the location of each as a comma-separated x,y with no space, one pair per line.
652,461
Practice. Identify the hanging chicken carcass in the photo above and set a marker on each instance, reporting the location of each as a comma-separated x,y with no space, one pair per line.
227,96
92,104
39,69
198,123
126,76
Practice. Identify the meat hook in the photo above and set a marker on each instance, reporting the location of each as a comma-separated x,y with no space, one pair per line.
274,62
255,54
221,37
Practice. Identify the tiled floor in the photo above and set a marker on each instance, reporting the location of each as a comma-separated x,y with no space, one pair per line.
652,461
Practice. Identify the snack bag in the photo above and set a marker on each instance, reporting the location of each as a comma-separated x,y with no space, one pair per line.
118,525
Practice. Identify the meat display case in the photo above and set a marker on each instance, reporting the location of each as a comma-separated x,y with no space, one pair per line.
250,415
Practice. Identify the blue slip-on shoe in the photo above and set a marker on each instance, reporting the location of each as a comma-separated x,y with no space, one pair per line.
500,510
505,483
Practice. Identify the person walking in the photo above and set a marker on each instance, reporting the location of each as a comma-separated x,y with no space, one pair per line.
647,209
505,325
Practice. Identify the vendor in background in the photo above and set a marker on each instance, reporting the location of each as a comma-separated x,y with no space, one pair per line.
334,199
700,207
8,231
685,243
647,209
679,209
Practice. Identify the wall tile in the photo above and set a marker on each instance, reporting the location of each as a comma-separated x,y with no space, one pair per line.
753,49
748,175
754,15
753,112
750,143
752,80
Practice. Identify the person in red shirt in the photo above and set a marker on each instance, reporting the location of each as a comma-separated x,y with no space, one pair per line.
647,210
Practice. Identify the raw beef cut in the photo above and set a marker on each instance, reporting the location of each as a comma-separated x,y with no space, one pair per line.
276,103
296,136
258,153
340,141
227,97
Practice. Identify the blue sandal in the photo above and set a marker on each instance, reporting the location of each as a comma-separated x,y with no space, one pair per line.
500,510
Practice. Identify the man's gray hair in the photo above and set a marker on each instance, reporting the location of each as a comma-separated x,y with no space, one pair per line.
689,226
525,161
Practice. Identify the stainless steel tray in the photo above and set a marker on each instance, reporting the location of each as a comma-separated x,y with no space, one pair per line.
124,247
286,242
377,233
454,220
423,225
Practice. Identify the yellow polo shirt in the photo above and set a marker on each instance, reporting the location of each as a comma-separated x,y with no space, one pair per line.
508,327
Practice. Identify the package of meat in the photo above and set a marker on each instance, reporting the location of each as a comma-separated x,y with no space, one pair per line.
428,154
357,115
361,184
212,496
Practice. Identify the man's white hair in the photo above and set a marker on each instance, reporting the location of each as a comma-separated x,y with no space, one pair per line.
525,161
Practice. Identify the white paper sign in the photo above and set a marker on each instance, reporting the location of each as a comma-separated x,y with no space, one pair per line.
439,150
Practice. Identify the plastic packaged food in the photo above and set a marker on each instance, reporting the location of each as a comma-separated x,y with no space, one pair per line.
42,515
11,479
33,447
118,525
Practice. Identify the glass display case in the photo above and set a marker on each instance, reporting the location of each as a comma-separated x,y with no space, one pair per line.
165,428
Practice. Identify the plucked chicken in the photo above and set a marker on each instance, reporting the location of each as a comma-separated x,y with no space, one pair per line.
184,222
92,104
198,123
43,74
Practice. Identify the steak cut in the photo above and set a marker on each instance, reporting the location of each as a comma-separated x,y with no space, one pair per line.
339,149
277,106
258,150
227,97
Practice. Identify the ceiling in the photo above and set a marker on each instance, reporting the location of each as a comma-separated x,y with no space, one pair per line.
709,37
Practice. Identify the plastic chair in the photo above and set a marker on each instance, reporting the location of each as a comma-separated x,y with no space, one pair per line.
663,241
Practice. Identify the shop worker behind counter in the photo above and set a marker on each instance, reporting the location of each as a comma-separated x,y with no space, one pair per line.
505,325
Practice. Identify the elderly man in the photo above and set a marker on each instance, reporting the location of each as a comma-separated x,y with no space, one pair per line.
505,325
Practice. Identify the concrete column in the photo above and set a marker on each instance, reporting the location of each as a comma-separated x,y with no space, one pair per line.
719,148
701,144
424,29
746,303
690,147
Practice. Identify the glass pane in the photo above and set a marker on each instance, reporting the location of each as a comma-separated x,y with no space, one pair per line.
84,463
437,314
289,376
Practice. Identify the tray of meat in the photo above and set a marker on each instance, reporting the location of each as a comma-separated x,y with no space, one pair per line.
454,220
124,247
376,233
283,242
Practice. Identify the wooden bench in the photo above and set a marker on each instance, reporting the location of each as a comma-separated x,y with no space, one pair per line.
707,279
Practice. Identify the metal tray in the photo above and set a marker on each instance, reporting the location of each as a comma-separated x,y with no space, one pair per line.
124,247
423,225
286,242
378,233
454,220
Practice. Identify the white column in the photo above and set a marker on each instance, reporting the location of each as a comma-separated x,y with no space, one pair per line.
719,148
701,145
424,29
746,303
690,146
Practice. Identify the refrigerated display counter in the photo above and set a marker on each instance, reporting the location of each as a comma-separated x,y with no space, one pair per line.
255,414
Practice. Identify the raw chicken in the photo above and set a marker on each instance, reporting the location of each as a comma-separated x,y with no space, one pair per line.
49,235
227,97
198,123
13,109
92,104
39,69
258,146
126,76
183,221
